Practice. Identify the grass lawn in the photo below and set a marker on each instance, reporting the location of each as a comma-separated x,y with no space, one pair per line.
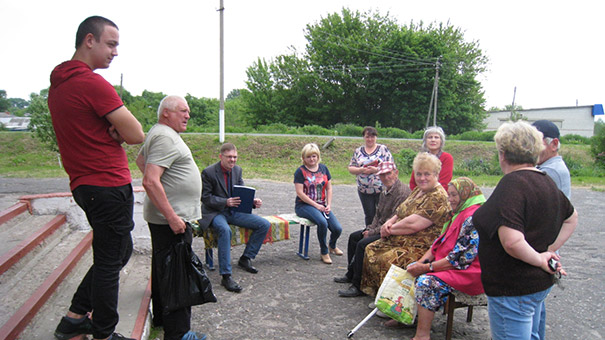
277,157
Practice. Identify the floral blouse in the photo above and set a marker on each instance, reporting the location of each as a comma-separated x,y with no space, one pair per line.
370,184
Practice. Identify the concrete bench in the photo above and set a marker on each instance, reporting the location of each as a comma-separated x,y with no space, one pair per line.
279,230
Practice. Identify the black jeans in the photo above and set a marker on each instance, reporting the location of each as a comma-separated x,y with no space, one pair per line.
178,322
368,203
109,211
356,250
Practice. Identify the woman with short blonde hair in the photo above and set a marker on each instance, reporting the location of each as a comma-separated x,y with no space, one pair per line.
407,235
314,200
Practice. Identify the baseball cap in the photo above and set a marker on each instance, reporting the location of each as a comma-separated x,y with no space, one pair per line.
385,167
548,128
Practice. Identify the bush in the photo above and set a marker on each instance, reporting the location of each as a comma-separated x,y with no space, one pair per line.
418,134
405,159
392,132
574,139
315,130
597,145
348,130
477,166
486,136
279,128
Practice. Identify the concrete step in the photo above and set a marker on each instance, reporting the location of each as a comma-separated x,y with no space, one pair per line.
43,270
21,241
11,212
134,292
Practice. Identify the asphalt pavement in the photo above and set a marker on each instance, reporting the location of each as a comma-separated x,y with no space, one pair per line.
291,298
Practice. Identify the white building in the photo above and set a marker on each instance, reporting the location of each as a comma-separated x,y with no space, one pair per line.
578,120
14,123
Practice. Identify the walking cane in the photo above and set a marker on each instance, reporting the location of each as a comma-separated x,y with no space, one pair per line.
362,323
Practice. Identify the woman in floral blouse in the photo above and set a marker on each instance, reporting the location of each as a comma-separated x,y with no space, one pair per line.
364,164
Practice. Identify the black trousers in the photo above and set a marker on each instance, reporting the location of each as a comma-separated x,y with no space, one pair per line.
369,202
109,211
178,322
355,252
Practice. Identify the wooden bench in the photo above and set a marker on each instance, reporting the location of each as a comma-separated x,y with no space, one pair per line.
279,230
458,299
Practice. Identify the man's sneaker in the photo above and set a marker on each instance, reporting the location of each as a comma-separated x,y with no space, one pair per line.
193,336
118,336
68,329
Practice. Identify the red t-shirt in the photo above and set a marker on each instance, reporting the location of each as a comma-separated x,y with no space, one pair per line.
78,100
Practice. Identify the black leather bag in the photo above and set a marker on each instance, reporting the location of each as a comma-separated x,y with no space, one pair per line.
183,281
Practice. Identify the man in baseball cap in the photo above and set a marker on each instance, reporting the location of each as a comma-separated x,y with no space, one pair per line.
549,160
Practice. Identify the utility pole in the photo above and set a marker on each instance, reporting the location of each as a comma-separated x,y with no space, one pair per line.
221,110
434,96
437,64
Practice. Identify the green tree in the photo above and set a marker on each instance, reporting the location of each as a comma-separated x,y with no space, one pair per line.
514,114
18,103
258,98
366,68
41,122
204,111
4,103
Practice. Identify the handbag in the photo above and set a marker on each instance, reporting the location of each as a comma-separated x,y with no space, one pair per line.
395,296
183,281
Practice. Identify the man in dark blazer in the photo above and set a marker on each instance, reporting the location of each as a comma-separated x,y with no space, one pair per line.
217,184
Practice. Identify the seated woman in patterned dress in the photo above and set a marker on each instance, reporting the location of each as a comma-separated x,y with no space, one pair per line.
410,233
452,262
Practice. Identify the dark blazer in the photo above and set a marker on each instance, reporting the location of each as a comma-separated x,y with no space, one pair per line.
214,191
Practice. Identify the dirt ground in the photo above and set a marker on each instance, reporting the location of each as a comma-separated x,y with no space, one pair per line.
291,298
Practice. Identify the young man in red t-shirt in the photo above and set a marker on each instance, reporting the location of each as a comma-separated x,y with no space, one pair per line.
91,123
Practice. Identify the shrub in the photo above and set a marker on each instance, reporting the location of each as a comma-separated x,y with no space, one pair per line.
418,134
477,166
486,136
279,128
392,132
404,160
348,130
315,130
597,145
574,139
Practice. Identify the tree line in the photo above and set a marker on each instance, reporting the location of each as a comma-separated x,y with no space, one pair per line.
356,68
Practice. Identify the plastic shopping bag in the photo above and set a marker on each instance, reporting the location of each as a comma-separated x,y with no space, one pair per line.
183,280
395,297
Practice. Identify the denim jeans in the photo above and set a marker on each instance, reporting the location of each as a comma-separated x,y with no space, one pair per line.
369,202
177,322
109,211
517,317
220,224
356,250
323,224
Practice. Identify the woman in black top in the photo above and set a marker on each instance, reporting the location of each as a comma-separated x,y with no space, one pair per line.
525,220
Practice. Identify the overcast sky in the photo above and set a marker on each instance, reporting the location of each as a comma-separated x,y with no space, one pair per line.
551,51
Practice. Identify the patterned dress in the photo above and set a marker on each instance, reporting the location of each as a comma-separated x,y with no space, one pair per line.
401,250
